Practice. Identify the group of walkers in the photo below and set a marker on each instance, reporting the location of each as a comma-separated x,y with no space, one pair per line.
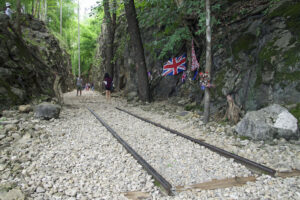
80,86
108,83
89,86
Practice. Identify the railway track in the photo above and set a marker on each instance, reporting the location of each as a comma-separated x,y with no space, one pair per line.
165,184
173,186
253,165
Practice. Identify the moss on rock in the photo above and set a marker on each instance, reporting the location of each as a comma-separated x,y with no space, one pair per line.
244,43
193,106
219,82
283,76
291,11
13,98
268,51
291,57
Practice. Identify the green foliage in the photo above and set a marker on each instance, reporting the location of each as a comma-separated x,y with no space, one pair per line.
168,21
174,42
219,82
169,32
157,184
244,137
193,106
284,76
120,49
26,3
89,30
296,112
291,11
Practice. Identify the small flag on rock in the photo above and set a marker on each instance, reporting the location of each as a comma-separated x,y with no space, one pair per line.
195,63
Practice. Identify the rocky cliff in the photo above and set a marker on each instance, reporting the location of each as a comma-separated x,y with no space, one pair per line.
30,63
255,58
258,59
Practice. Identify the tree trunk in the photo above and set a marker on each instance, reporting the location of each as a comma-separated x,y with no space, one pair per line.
60,17
110,27
38,9
233,112
136,41
208,61
45,11
18,17
32,8
113,30
78,41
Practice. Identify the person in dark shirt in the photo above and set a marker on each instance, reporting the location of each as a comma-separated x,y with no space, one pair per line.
108,86
79,85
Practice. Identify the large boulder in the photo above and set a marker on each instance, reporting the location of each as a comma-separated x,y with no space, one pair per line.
47,111
25,108
14,194
271,122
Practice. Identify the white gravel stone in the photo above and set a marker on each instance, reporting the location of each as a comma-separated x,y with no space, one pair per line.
40,190
79,158
71,192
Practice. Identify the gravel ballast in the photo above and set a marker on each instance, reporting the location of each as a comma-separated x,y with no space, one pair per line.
75,157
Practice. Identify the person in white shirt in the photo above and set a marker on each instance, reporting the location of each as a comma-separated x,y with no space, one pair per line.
8,11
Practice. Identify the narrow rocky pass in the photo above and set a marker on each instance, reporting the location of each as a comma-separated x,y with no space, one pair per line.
75,157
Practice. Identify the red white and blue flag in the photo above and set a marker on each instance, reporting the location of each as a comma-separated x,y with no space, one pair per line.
183,77
174,66
195,63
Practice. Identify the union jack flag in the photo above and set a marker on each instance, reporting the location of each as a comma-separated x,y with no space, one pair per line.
174,66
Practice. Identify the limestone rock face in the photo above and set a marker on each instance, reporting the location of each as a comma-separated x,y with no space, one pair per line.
29,64
263,65
271,122
255,58
47,111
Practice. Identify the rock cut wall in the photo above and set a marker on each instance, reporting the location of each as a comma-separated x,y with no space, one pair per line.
256,57
29,64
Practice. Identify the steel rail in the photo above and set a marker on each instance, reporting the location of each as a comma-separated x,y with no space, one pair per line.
220,151
164,183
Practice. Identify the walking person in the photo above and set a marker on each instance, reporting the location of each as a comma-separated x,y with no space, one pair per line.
108,86
92,86
8,11
79,85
